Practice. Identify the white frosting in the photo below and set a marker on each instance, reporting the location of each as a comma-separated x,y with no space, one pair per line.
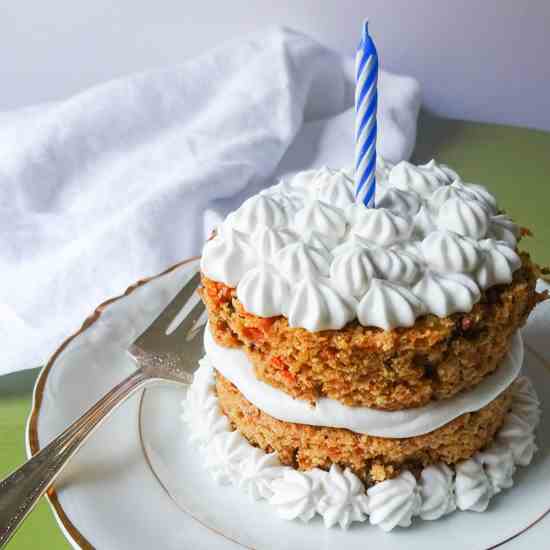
444,294
412,249
499,466
355,267
388,305
454,191
472,486
226,452
235,257
316,240
339,496
296,495
383,168
321,217
502,228
423,223
444,173
419,179
394,502
200,396
526,403
344,501
500,263
402,203
270,241
481,194
465,217
517,434
236,367
313,235
298,260
450,252
335,188
262,291
437,491
379,225
259,210
317,305
257,471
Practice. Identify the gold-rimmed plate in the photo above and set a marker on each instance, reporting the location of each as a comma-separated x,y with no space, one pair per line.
138,484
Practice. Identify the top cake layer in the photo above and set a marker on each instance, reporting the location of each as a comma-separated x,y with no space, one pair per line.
390,308
305,250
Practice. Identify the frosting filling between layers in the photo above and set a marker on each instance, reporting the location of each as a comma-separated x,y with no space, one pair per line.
234,365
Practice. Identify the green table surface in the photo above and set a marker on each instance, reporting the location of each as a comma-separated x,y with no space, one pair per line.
514,163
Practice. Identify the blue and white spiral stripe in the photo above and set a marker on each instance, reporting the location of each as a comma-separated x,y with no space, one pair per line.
366,99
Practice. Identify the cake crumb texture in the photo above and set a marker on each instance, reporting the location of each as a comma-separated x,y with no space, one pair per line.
372,459
366,366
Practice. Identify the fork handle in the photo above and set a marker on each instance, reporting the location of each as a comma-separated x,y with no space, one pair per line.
20,491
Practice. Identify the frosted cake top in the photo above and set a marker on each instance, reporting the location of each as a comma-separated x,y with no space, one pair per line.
306,250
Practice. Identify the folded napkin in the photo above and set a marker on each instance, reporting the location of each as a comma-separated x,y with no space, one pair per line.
124,179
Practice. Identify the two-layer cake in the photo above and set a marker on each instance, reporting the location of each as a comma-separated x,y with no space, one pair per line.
364,362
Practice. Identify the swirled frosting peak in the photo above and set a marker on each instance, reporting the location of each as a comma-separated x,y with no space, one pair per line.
381,226
259,210
345,500
502,228
228,258
499,466
472,486
445,294
263,291
447,192
400,202
268,241
321,217
449,252
423,180
394,502
305,249
297,260
317,305
354,267
437,490
526,403
465,217
335,188
479,193
387,305
500,263
445,174
296,495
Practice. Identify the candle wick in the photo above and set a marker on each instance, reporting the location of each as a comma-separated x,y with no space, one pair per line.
365,30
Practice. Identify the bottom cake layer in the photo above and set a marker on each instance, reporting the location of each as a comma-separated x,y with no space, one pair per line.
372,459
339,495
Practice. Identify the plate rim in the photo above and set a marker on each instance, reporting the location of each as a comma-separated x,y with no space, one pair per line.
71,532
32,446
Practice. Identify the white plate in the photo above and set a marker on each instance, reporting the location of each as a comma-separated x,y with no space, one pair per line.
138,484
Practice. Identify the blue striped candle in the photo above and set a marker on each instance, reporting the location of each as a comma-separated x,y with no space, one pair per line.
366,99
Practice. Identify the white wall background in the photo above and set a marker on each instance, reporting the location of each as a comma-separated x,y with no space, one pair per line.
481,60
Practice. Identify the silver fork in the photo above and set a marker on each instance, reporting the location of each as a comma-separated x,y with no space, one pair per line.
159,356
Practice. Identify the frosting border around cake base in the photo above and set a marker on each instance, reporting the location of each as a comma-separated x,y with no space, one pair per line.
338,495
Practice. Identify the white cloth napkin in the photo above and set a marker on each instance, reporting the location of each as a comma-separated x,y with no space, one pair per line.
128,177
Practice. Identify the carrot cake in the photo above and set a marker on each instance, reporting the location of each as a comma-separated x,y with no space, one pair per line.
357,353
